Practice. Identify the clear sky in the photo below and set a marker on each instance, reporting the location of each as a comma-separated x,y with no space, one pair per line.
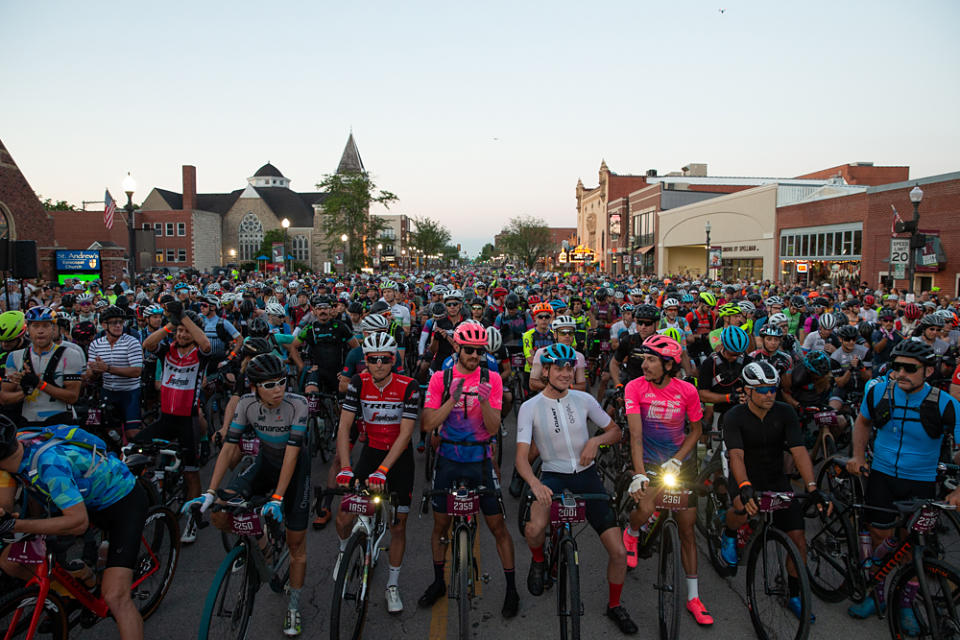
472,114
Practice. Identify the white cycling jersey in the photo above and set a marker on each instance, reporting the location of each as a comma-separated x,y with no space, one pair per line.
559,427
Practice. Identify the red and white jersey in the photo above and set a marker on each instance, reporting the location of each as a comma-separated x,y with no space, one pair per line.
180,381
381,410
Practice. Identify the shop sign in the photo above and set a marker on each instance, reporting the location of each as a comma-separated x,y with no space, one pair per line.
562,258
277,251
802,267
78,261
716,258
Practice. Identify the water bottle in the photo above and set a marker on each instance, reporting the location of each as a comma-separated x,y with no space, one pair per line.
649,523
866,548
743,535
102,555
884,548
83,573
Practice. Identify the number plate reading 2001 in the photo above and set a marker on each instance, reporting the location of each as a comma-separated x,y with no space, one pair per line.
572,514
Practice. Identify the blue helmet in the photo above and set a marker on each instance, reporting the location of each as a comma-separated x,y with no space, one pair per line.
817,362
558,353
558,305
40,314
734,339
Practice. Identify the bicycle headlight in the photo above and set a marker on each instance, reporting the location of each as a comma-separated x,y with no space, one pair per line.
670,480
376,499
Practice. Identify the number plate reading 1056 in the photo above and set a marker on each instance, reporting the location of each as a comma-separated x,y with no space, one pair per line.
360,505
246,524
925,521
32,551
561,513
463,506
673,500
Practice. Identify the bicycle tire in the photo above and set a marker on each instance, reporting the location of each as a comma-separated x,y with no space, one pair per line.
947,542
498,439
352,567
758,602
517,395
161,533
322,430
834,481
431,459
942,578
25,600
463,569
711,507
833,557
523,511
245,579
568,591
313,433
668,580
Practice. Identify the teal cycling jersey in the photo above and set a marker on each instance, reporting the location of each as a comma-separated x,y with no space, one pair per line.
69,474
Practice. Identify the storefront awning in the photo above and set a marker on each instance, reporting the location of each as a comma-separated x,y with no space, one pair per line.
645,250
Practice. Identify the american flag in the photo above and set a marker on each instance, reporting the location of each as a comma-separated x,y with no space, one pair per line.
896,219
110,208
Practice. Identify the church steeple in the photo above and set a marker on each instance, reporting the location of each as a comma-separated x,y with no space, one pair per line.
350,161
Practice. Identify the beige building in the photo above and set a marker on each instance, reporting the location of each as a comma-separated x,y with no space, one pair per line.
394,238
604,233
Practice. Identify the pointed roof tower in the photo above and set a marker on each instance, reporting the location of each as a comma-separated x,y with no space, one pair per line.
350,161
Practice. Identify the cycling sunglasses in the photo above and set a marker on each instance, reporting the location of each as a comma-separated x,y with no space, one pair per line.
273,384
453,304
566,332
564,364
646,323
909,367
472,350
379,359
765,389
543,316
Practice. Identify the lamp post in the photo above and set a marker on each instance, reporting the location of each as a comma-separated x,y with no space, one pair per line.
285,223
403,258
707,272
129,186
379,255
344,238
916,197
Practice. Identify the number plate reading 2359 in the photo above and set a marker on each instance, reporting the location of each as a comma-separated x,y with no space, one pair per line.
463,505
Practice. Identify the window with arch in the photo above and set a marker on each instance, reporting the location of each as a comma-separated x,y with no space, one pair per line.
250,237
300,248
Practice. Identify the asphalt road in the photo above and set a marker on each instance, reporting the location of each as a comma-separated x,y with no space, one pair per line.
179,614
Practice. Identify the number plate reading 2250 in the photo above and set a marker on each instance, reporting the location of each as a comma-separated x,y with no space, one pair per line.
246,524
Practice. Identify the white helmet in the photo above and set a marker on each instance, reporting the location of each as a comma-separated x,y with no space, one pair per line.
827,321
563,321
671,302
779,318
379,342
453,294
494,340
374,322
275,309
746,306
760,373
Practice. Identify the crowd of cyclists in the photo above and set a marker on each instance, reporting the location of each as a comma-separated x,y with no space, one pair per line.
427,368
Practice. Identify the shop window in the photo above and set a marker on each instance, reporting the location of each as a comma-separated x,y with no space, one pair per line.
822,245
838,243
783,245
847,242
858,242
804,245
829,249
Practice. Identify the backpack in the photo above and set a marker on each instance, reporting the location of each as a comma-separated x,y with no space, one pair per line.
58,434
223,334
932,421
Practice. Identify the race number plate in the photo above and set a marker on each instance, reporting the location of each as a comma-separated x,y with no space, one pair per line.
246,524
516,360
775,500
463,505
560,513
93,416
250,446
673,500
826,418
359,505
32,551
313,404
604,346
926,520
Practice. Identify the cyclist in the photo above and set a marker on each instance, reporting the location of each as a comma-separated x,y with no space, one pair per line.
885,338
47,383
756,435
538,337
564,328
625,324
568,453
628,353
701,321
467,411
222,335
281,469
117,358
85,488
388,405
718,379
658,407
823,338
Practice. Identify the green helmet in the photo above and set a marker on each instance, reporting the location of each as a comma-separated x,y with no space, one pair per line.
708,298
13,324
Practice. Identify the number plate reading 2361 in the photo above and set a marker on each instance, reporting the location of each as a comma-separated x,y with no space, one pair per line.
673,500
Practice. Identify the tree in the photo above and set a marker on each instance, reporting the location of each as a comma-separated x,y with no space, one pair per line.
59,205
346,211
487,253
527,239
430,237
271,236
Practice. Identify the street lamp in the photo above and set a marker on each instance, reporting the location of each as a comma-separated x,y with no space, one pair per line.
129,186
379,254
344,238
403,258
916,197
707,272
285,223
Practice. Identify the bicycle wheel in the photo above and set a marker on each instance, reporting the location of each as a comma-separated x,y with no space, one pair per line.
947,542
313,433
768,588
156,560
833,557
833,480
431,455
322,430
711,513
668,580
568,591
463,568
229,603
16,613
938,618
348,609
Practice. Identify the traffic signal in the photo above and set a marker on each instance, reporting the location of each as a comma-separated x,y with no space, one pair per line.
918,241
905,227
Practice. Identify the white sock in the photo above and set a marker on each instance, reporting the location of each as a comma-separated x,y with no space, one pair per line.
393,580
693,591
343,543
632,532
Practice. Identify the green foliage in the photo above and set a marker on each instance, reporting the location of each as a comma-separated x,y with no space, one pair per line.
487,253
59,205
346,210
249,267
430,237
527,239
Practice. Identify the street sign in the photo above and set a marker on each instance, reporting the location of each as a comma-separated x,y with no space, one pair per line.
899,257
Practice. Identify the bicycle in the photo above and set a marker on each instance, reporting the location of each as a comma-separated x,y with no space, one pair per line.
165,470
229,602
375,512
322,424
38,608
560,547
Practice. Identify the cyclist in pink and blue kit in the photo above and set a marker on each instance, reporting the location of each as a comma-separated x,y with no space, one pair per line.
664,416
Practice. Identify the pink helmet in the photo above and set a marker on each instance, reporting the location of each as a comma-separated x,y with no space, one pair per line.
470,333
663,346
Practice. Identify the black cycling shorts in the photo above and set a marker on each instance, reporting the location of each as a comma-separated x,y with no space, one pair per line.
399,478
882,490
260,479
789,519
122,522
599,513
324,378
181,429
447,473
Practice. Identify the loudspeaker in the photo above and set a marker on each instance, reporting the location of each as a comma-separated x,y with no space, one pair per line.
24,259
4,254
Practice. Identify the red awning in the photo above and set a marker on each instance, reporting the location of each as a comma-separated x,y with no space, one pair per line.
645,250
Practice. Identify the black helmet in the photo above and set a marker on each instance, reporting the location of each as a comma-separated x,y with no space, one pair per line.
798,301
258,327
355,307
112,312
915,349
68,300
512,301
378,307
246,307
847,332
253,347
323,301
646,312
84,331
265,367
866,330
600,294
886,313
8,436
438,310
